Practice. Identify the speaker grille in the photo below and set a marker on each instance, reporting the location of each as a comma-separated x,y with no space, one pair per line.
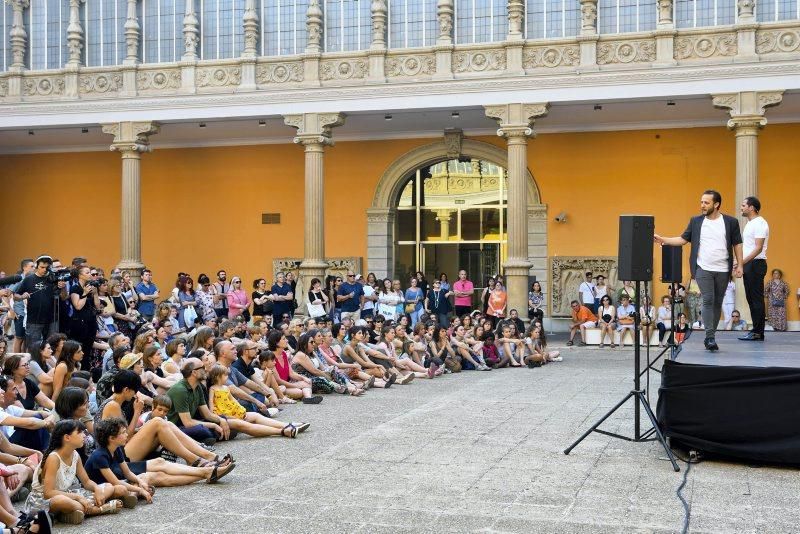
270,218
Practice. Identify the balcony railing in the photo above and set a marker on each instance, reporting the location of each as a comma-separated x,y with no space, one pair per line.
87,49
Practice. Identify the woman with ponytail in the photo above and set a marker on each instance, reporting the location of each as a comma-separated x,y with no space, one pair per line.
61,484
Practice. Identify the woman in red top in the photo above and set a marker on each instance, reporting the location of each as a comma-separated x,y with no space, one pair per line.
283,373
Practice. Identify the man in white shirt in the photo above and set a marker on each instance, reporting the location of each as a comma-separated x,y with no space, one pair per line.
368,299
587,292
716,240
755,239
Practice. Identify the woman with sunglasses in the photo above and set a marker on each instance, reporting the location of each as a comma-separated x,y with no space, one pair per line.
204,298
27,392
238,301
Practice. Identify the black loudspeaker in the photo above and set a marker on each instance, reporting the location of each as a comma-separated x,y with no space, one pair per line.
635,260
671,264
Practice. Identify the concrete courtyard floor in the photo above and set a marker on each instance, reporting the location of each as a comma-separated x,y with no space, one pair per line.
472,452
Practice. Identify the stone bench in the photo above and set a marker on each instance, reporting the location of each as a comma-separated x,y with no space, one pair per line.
593,337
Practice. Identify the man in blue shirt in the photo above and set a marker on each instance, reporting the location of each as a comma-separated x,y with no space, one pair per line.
282,298
349,294
148,293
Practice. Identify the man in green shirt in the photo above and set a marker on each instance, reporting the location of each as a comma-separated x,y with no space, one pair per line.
190,410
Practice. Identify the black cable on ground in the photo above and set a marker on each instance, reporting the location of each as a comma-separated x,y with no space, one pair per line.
694,458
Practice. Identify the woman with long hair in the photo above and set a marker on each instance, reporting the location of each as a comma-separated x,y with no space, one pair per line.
306,363
317,300
238,301
284,374
85,304
352,370
536,302
414,298
262,300
606,320
68,362
388,299
187,301
490,283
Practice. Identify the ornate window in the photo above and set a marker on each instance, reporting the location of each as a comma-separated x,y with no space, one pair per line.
480,21
621,16
348,25
103,24
283,27
551,18
774,10
412,23
700,13
46,24
221,30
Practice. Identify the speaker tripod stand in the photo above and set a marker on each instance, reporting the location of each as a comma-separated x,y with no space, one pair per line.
638,395
672,347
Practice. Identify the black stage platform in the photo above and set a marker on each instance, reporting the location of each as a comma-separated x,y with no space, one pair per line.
781,349
741,402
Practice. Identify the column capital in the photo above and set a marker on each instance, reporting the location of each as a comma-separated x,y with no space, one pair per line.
131,137
747,109
314,128
516,120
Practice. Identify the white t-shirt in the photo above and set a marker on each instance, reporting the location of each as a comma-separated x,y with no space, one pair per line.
368,292
665,316
13,411
713,252
756,228
586,292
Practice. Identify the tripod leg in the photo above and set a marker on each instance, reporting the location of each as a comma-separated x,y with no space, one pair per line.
651,415
600,422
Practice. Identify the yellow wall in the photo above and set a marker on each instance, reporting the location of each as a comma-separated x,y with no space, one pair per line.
202,207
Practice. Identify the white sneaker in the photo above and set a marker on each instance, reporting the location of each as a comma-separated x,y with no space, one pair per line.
558,359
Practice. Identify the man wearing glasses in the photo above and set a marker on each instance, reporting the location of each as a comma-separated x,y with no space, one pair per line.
349,294
190,410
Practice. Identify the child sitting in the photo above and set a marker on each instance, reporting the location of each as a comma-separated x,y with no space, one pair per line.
61,483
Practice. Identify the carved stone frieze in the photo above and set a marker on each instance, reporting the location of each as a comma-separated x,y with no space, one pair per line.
158,80
344,69
279,73
706,46
639,51
777,41
479,61
416,65
551,56
43,86
567,273
3,88
218,76
336,267
100,83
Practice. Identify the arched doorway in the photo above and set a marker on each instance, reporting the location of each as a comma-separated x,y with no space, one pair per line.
452,215
387,225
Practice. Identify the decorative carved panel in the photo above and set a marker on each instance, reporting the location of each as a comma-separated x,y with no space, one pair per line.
343,69
279,73
416,65
551,56
218,76
3,87
706,46
479,61
100,83
567,273
777,41
640,51
43,86
158,80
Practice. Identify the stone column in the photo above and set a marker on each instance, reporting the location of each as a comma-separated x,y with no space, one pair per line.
130,140
746,26
588,36
444,40
313,44
665,34
515,38
75,44
377,49
250,52
191,40
132,38
314,133
516,125
747,112
18,38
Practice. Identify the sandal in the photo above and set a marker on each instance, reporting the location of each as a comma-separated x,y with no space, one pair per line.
227,459
111,507
202,462
302,427
216,475
369,383
292,431
569,343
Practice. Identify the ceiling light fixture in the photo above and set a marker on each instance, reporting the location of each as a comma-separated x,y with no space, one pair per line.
455,115
202,125
30,132
598,107
84,130
670,102
262,123
387,117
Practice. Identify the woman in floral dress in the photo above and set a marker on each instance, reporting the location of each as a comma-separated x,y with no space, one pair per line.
776,292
